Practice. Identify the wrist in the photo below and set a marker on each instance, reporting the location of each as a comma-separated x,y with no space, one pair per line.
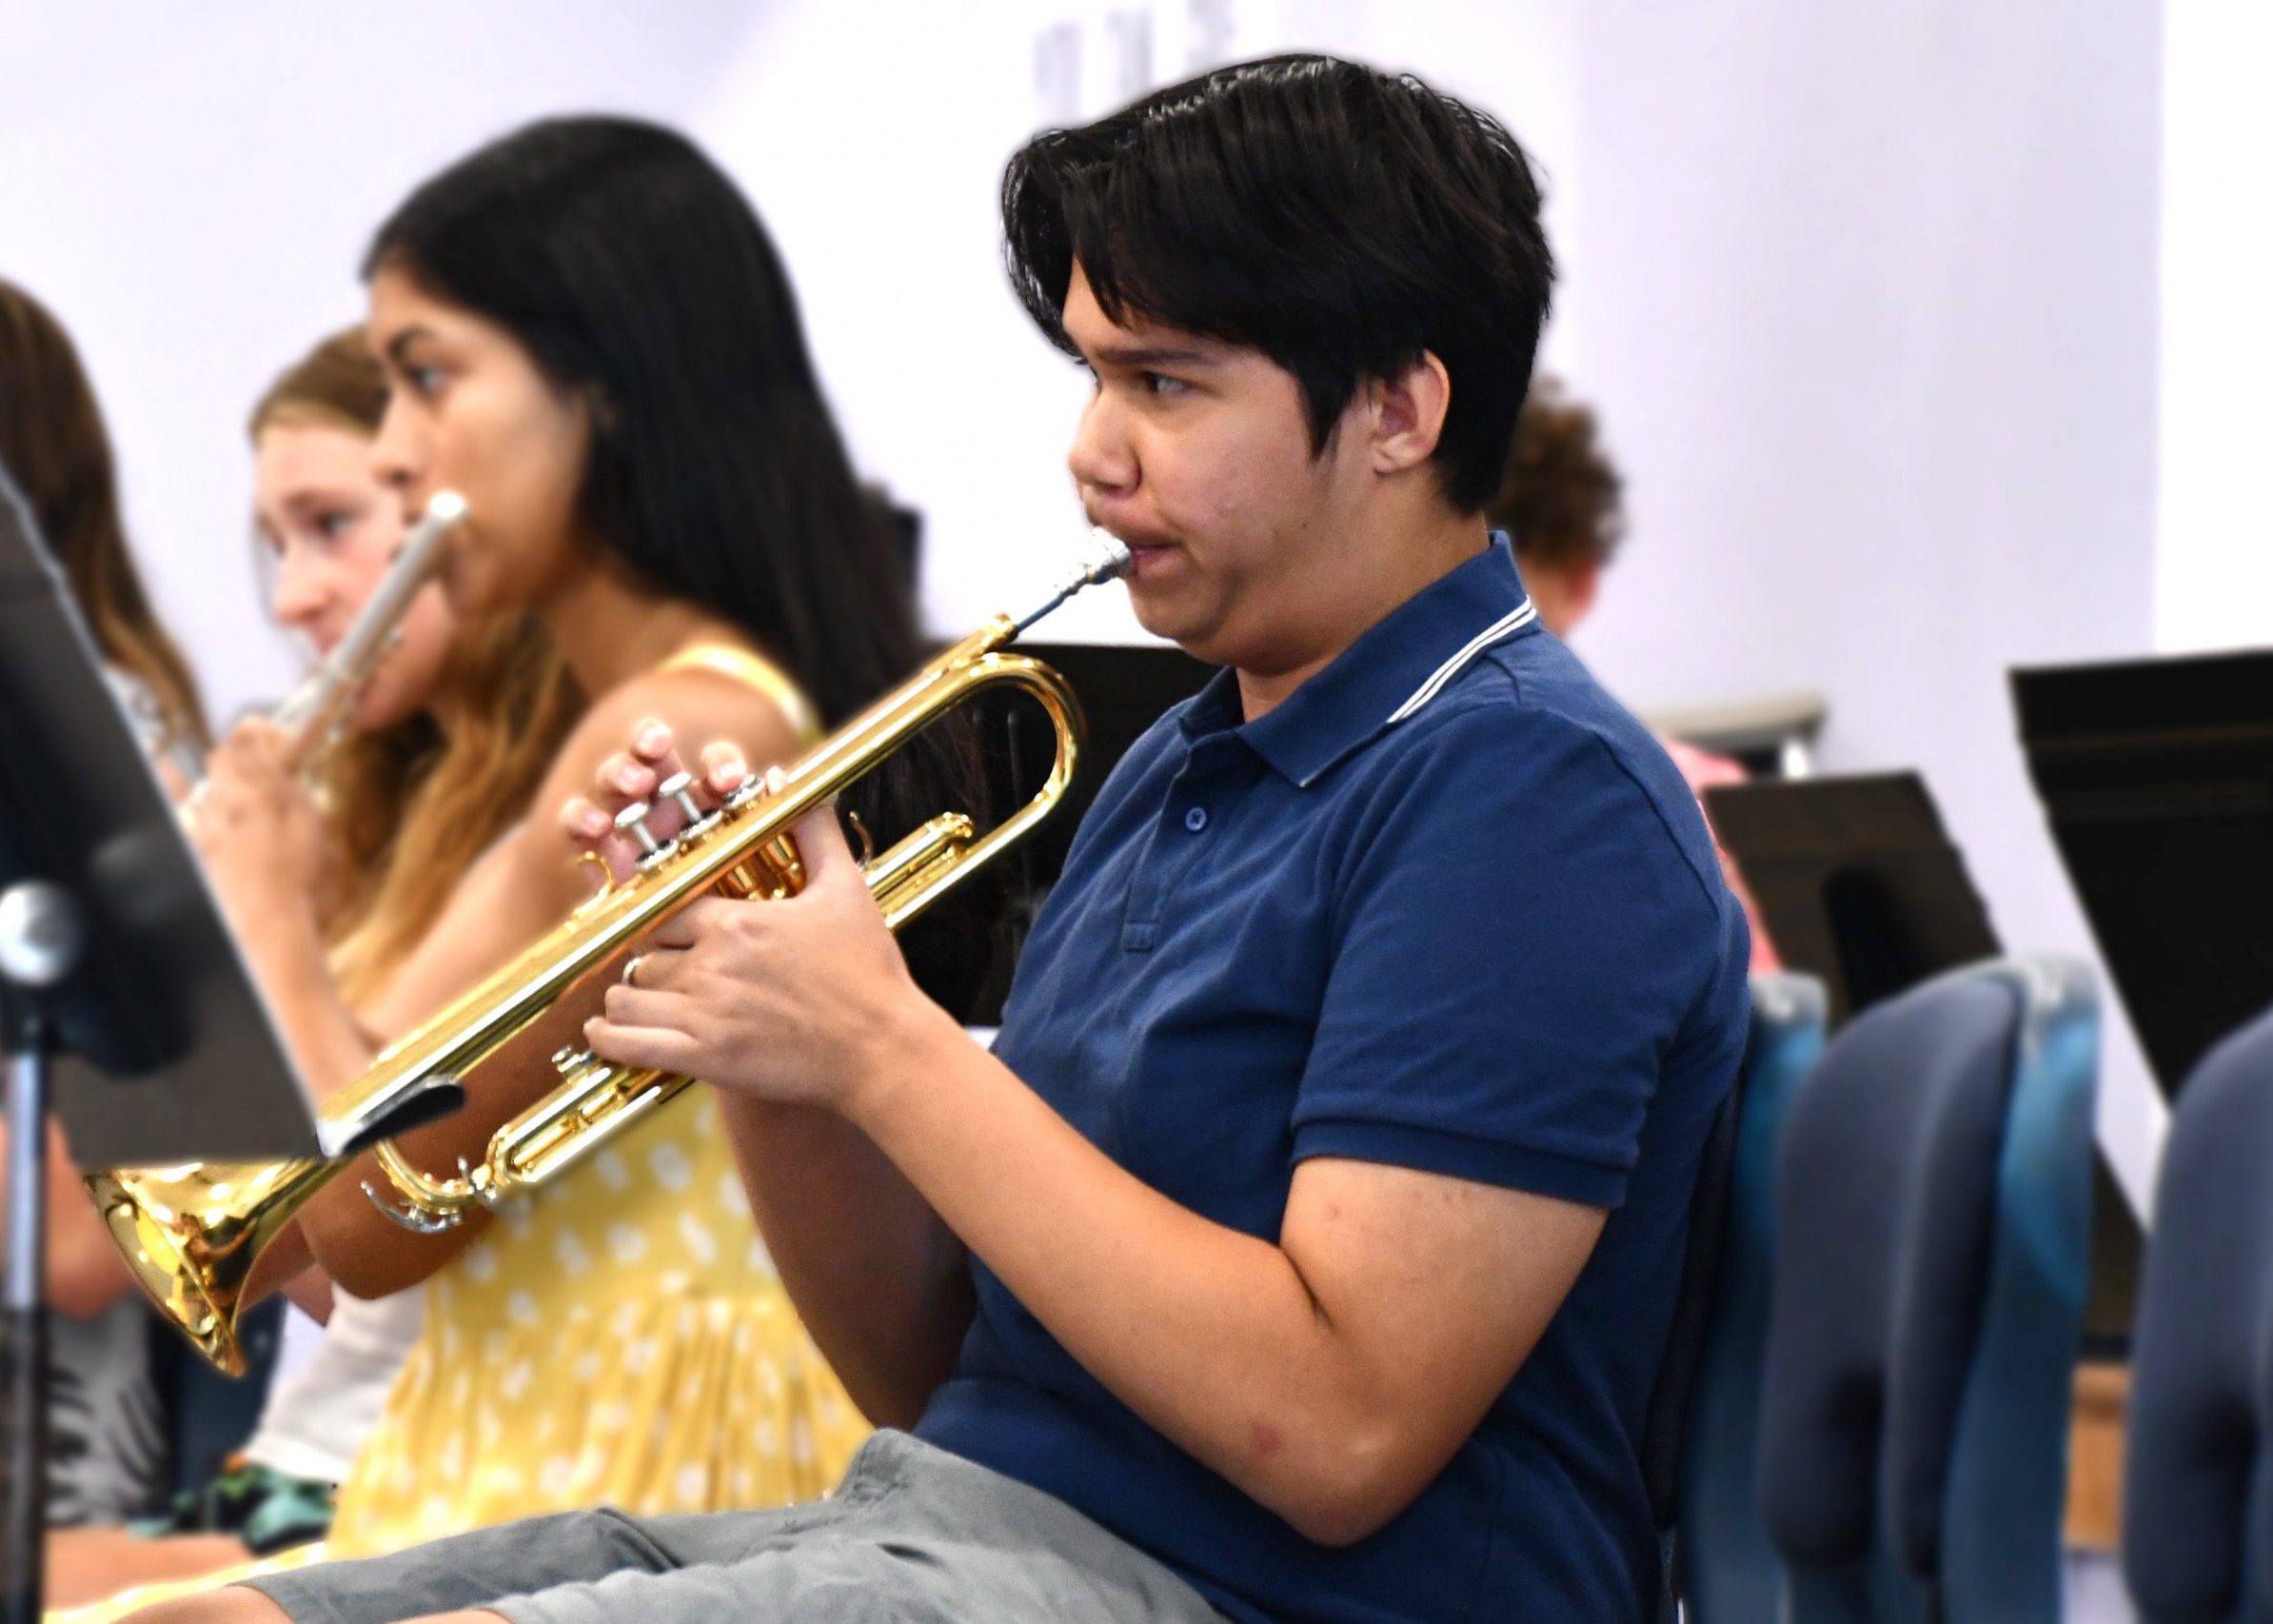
284,946
908,1044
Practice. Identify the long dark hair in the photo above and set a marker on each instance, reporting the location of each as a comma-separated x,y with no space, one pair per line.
54,442
637,275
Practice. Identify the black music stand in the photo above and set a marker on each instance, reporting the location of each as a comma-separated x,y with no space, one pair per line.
1856,880
124,1009
2157,779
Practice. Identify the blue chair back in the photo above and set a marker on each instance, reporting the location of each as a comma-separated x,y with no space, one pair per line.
2198,1473
1725,1569
1932,1242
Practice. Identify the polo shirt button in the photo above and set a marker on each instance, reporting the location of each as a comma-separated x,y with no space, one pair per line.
1196,819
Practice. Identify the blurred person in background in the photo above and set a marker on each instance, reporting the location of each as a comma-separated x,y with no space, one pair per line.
55,445
1562,503
106,1451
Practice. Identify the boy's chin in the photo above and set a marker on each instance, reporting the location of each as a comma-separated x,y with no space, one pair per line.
1161,615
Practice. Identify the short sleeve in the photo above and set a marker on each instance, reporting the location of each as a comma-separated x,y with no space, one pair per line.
1521,931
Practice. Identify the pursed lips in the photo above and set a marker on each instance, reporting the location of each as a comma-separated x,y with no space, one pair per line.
1142,546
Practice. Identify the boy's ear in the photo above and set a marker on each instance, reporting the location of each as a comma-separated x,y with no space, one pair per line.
1407,412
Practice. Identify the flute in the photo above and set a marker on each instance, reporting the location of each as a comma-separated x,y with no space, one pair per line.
315,712
317,708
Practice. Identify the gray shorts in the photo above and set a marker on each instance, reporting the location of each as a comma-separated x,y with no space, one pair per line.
914,1534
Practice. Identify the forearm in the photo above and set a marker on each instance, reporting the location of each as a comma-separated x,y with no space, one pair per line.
86,1273
287,958
881,1284
1211,1335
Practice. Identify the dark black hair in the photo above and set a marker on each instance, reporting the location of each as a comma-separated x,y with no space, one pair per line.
635,274
1338,219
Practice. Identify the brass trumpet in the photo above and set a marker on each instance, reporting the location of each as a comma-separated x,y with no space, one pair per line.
192,1234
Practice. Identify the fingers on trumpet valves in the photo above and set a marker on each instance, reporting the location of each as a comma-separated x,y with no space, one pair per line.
624,777
583,821
752,785
651,743
725,771
657,830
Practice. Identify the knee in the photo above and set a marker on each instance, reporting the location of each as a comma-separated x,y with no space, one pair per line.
227,1604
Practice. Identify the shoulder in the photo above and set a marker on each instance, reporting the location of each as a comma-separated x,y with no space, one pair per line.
699,703
1526,733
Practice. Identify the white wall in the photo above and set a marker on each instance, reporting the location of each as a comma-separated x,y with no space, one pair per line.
2214,548
1867,296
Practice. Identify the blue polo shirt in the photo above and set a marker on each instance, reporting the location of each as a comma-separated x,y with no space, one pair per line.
1448,907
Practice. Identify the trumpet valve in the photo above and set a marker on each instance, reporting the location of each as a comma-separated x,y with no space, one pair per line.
632,821
749,789
680,790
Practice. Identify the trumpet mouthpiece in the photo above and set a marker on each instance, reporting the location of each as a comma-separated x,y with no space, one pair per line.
1111,559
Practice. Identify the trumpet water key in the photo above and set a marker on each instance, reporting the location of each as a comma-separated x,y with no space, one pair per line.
193,1234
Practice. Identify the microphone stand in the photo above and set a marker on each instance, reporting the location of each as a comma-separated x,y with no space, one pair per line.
40,939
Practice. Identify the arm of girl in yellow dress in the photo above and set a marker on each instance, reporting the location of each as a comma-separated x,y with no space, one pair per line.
521,888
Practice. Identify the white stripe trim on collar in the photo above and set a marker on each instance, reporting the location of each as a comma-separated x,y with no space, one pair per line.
1514,619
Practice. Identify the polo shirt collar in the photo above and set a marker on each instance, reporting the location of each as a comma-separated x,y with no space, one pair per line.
1392,671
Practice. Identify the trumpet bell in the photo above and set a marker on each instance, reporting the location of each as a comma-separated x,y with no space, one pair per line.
191,1234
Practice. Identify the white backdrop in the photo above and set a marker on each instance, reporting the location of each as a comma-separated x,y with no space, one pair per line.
1866,297
2214,541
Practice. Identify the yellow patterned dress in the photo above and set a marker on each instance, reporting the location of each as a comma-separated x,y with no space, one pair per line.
619,1338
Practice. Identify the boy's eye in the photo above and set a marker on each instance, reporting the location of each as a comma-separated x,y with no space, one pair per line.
423,379
334,524
1159,384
